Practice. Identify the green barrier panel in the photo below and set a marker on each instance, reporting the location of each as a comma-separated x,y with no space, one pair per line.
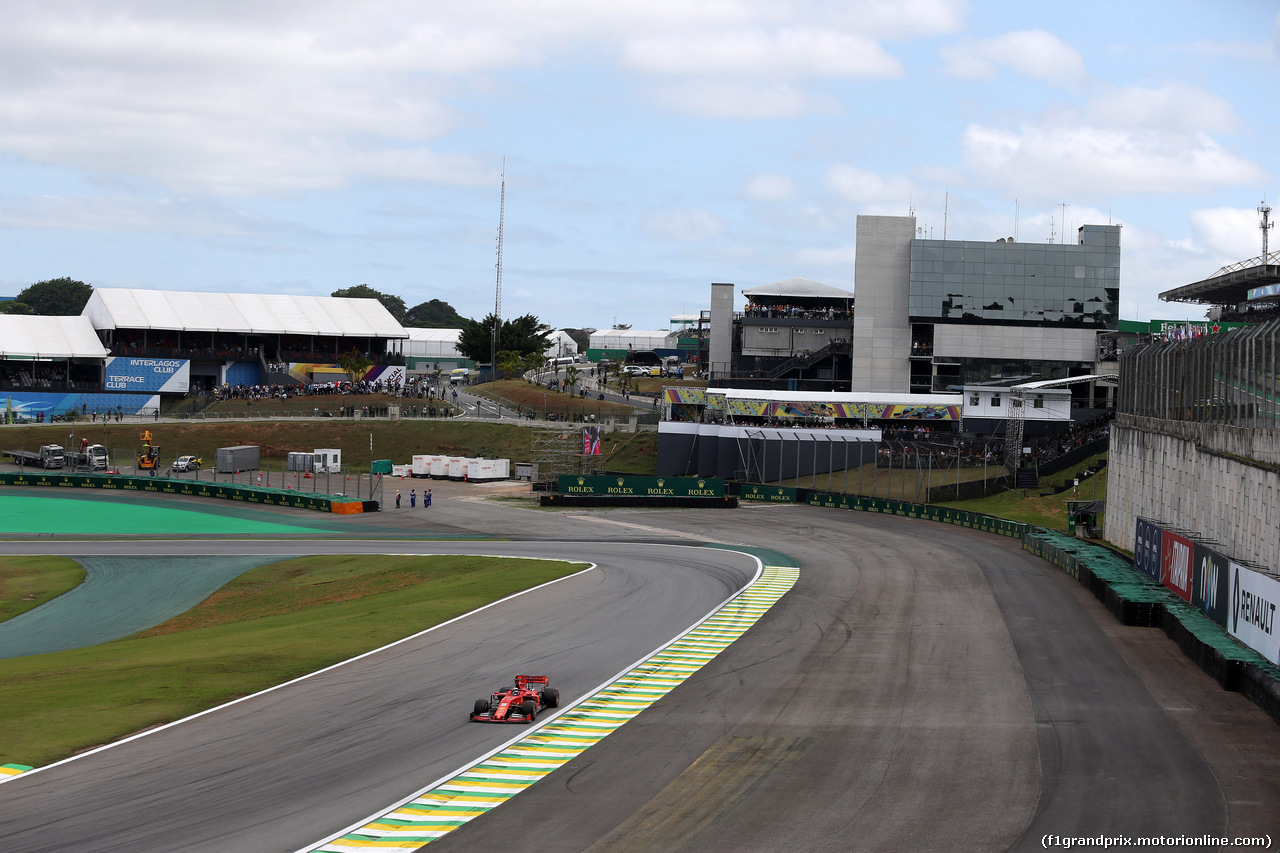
162,485
773,494
675,487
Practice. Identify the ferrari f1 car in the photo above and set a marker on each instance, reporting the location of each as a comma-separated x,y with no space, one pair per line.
518,704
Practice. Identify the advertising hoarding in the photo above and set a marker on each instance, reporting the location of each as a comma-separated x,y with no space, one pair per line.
1252,617
163,375
1146,548
671,487
1175,563
1210,585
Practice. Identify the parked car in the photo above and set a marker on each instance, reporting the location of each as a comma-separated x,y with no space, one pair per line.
186,463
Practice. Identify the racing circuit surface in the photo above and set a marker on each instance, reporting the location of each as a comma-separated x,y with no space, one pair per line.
921,687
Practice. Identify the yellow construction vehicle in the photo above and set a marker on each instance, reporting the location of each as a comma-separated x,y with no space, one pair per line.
149,455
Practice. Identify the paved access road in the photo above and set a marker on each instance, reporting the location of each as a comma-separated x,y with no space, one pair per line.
921,688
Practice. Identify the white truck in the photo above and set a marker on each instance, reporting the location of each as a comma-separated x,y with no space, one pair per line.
48,456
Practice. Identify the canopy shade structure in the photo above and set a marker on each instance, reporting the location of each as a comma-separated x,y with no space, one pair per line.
636,339
428,343
240,313
25,336
1230,285
796,288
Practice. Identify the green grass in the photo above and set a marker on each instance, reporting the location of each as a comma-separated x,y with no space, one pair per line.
1028,506
28,582
270,625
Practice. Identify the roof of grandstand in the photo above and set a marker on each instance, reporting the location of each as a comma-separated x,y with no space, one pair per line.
240,313
26,336
801,288
1231,284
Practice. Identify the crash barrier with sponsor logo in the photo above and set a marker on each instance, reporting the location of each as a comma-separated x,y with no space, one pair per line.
772,494
249,494
575,490
1136,598
623,485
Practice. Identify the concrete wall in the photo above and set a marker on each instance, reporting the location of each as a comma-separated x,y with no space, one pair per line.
1219,482
881,324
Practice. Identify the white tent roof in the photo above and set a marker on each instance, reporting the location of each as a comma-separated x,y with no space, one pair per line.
640,339
25,336
802,287
244,313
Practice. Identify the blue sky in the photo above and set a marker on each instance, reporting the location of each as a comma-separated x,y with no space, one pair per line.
651,148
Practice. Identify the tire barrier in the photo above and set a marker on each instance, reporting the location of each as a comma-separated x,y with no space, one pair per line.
197,488
946,515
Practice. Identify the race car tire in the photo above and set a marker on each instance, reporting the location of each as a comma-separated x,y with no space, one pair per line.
482,705
551,698
530,708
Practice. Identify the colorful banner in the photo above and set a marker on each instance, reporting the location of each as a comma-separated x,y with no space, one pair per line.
1175,563
591,441
668,487
1252,619
166,375
1209,582
1147,541
691,396
315,371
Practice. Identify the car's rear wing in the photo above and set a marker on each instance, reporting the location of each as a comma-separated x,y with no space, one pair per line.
523,681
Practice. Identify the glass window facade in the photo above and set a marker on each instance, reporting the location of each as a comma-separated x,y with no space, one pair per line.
1018,284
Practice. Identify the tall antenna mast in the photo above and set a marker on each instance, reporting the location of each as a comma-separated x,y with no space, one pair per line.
497,300
1267,225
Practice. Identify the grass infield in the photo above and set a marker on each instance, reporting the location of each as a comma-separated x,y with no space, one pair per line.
269,625
28,582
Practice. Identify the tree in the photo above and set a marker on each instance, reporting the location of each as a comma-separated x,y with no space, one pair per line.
621,327
581,337
13,306
433,314
57,297
394,304
509,361
354,364
571,376
531,362
519,335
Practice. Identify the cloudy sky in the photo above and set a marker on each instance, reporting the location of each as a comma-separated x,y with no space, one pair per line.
651,148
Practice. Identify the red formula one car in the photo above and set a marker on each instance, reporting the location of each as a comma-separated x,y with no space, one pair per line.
518,704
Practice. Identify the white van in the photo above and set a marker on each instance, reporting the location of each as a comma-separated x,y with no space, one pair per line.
459,374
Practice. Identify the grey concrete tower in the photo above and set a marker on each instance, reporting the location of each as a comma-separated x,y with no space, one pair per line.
881,324
720,349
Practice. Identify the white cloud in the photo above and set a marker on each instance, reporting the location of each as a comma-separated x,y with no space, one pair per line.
681,225
1061,161
745,99
834,256
1229,232
1032,53
1174,107
862,186
769,186
787,53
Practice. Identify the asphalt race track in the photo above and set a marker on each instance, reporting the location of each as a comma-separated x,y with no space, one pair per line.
922,687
